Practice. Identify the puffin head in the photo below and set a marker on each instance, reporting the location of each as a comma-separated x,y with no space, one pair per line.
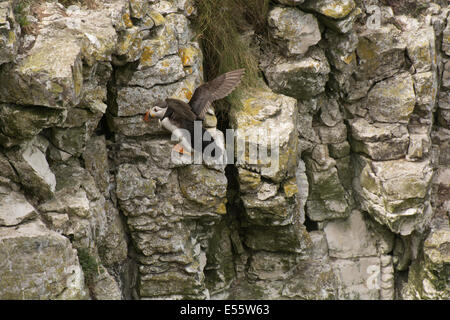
159,109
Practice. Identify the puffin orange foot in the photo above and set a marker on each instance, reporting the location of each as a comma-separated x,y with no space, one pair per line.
146,119
179,148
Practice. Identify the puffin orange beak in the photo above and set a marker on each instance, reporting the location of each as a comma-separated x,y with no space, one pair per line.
146,119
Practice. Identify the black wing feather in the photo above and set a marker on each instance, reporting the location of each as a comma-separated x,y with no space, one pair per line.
180,110
213,90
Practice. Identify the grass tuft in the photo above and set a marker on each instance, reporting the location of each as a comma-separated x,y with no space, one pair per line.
21,10
222,26
88,264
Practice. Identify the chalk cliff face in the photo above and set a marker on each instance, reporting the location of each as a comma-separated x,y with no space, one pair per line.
93,207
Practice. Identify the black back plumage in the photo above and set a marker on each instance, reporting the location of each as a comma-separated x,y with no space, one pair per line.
183,114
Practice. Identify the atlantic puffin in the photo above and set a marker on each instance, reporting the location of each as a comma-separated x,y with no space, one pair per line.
174,113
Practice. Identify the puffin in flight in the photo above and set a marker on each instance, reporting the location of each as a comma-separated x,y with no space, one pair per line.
175,114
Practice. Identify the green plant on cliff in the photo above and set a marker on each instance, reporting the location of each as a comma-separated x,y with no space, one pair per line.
88,264
21,9
222,25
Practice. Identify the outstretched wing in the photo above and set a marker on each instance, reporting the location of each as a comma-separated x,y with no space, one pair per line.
181,110
215,89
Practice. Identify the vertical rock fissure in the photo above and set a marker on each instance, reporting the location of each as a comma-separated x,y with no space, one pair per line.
126,272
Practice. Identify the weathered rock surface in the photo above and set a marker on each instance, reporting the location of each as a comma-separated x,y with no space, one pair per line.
381,53
266,117
428,276
380,141
335,9
296,30
395,193
353,237
299,78
37,263
392,100
9,33
15,209
32,167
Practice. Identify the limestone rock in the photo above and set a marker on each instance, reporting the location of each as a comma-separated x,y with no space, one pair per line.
425,86
53,67
165,7
73,135
446,75
380,141
395,192
330,114
358,279
277,210
381,53
19,123
341,51
138,8
132,101
299,78
165,71
129,46
75,203
130,183
271,266
15,209
96,162
9,33
34,172
135,126
170,283
421,48
164,43
249,182
95,30
220,268
54,76
113,247
428,276
266,117
344,25
392,100
335,9
327,197
419,146
204,187
339,150
105,287
187,6
292,238
332,134
351,238
446,39
6,169
295,30
312,280
37,263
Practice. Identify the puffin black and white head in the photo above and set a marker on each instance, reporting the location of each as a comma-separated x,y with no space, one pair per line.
158,110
